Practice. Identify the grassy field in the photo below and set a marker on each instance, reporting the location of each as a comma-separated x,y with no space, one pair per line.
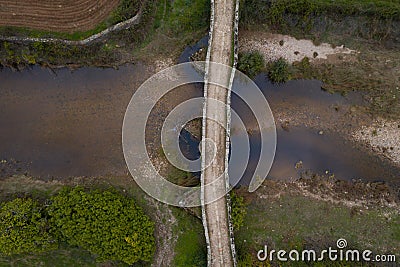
190,249
176,24
273,11
376,73
294,221
65,257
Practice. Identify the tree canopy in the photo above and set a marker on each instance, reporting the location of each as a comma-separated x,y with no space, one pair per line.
103,222
24,227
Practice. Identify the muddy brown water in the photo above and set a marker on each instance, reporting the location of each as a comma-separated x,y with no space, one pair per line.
301,149
66,123
316,151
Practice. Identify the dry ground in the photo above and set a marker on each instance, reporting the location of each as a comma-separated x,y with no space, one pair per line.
56,15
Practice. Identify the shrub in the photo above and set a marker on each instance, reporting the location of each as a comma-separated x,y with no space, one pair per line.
105,223
279,71
251,63
24,228
238,211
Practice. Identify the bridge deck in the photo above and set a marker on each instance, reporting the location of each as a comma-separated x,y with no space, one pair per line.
216,215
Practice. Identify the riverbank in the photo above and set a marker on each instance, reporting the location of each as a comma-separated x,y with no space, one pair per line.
311,213
87,117
368,77
74,134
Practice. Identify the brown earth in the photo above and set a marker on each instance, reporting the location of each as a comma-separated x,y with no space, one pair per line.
56,15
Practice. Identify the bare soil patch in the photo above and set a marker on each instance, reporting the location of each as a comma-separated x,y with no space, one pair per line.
275,46
61,16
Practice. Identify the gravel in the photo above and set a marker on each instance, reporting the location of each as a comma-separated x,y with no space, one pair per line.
383,137
275,46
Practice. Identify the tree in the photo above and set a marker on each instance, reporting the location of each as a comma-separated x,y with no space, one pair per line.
24,228
103,222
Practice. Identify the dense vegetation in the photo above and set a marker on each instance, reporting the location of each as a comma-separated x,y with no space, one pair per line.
24,228
238,211
279,71
251,63
126,10
105,223
16,55
377,20
273,11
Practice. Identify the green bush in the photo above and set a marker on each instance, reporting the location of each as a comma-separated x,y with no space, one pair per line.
251,63
106,223
279,71
24,228
238,211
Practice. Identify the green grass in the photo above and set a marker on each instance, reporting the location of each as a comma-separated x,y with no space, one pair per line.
257,11
188,15
376,8
374,20
190,250
175,25
58,258
297,222
375,72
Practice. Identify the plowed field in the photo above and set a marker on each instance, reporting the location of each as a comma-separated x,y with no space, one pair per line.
56,15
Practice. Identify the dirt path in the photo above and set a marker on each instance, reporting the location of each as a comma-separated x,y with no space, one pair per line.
60,16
